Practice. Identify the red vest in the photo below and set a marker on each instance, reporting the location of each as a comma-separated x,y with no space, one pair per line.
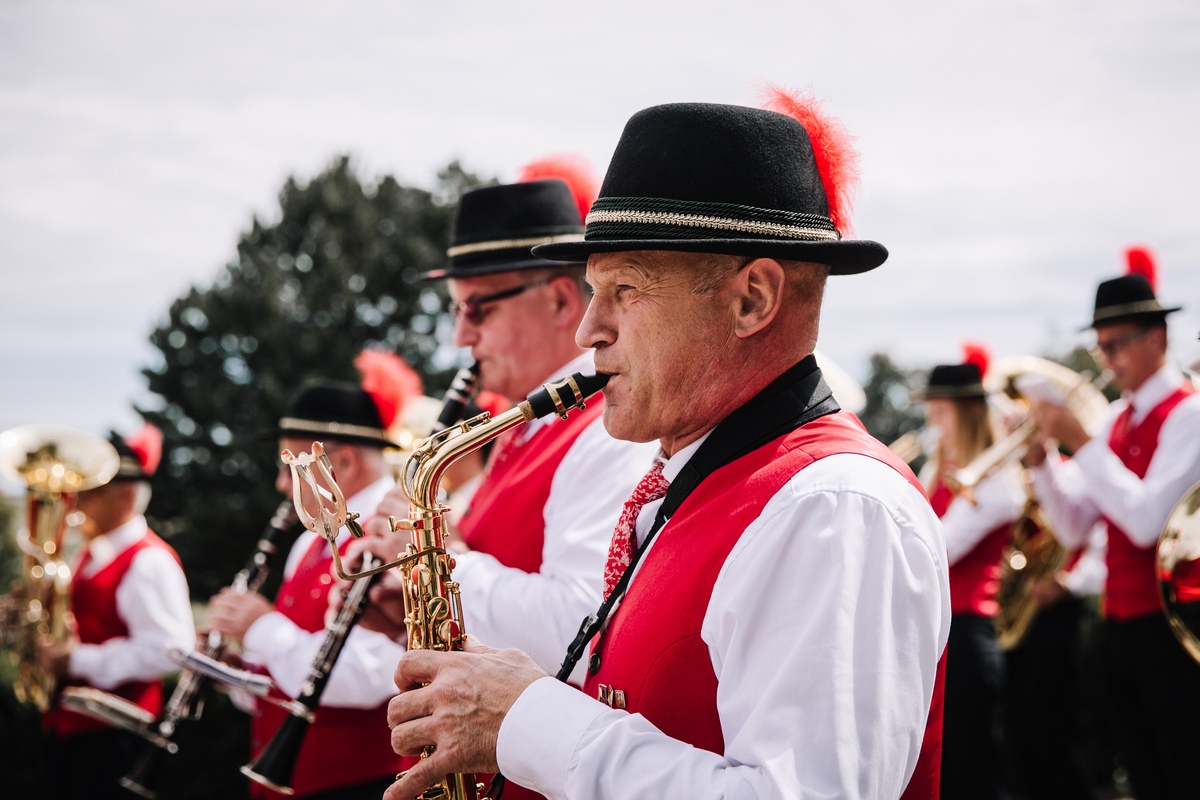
343,746
653,651
506,518
1131,590
94,604
974,578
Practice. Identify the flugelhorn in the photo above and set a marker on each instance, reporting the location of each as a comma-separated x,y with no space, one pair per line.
1178,565
187,700
55,465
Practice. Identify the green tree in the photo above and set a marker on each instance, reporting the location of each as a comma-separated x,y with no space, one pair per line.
889,411
340,270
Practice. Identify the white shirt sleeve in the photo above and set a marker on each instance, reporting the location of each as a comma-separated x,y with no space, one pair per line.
152,600
361,677
998,498
1140,506
539,612
824,628
1060,489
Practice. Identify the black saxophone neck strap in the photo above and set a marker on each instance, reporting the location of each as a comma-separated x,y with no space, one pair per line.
795,398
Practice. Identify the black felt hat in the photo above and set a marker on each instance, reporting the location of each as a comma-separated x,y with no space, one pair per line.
140,453
341,412
697,177
953,381
1129,298
496,227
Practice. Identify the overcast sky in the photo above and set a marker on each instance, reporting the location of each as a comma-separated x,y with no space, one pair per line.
1010,151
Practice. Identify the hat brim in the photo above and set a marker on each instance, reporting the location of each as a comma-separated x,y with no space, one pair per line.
846,257
1141,316
475,270
318,436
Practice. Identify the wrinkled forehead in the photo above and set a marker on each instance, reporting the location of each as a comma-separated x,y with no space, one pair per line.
646,263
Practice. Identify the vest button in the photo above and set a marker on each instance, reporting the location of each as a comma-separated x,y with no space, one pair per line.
594,664
1135,451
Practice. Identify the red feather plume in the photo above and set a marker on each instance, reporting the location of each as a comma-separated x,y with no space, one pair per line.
570,169
391,382
836,158
977,353
1140,261
147,445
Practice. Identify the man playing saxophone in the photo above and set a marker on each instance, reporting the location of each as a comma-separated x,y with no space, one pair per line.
340,756
129,598
782,631
1129,477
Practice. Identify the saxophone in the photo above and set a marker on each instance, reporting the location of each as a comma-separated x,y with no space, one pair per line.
433,608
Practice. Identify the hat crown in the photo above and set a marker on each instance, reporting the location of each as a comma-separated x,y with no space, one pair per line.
954,380
1128,298
338,411
709,153
516,210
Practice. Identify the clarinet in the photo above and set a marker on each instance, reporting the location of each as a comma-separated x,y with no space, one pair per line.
457,397
187,701
274,766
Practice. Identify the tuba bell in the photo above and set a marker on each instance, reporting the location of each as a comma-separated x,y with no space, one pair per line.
1178,565
55,465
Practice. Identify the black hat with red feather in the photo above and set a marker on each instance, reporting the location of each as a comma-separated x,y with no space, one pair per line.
959,381
497,226
1131,298
354,414
140,453
697,177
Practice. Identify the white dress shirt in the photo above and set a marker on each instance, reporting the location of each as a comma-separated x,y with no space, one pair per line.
539,612
362,677
152,601
1094,483
824,629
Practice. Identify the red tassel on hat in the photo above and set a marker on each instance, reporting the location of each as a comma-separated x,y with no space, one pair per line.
390,381
1140,261
977,354
570,169
835,156
147,445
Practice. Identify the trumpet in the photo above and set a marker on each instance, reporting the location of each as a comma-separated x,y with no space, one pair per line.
1082,395
55,464
433,608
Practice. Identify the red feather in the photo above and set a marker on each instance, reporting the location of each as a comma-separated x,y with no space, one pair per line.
1140,261
391,382
977,353
147,445
835,156
570,169
492,403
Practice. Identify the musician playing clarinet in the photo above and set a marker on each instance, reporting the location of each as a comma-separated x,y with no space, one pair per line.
341,756
1130,476
781,632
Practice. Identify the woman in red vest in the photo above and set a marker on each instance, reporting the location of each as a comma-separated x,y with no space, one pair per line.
976,528
1129,477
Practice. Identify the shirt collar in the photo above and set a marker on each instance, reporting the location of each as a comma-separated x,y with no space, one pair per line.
674,465
107,546
1155,389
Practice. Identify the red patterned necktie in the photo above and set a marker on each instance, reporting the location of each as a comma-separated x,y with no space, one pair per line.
624,543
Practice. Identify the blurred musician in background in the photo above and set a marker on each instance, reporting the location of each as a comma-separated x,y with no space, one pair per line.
341,756
977,529
539,522
130,601
1130,476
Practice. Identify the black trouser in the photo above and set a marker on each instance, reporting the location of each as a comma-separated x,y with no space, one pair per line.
91,765
1153,688
1043,735
971,763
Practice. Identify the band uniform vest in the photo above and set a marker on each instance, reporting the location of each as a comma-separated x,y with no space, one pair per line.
974,578
94,604
1131,590
506,518
343,746
652,651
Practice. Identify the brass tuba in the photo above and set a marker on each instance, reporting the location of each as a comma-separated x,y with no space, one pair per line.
1178,563
1033,554
55,465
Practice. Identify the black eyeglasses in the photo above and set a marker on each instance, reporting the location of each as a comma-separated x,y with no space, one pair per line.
472,310
1119,343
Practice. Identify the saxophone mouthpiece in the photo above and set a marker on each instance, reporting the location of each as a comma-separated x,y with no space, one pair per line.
562,395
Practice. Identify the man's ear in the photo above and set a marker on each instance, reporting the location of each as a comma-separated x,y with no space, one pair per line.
758,296
566,301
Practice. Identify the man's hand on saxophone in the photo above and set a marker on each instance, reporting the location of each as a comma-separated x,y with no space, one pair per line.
442,703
